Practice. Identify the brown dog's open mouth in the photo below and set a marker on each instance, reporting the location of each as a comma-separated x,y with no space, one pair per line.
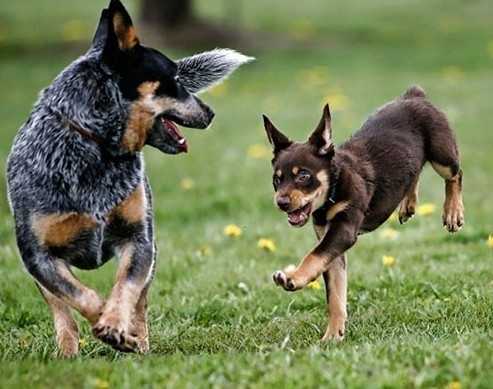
300,216
174,132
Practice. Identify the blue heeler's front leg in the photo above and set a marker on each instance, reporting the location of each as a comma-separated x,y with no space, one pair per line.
123,321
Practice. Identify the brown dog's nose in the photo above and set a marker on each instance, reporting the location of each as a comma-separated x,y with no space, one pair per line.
283,202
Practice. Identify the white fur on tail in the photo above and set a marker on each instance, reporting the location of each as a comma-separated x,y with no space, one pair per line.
201,71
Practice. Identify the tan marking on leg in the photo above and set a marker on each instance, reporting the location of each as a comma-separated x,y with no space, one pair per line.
139,326
453,207
337,208
444,171
320,231
115,324
87,302
407,206
133,209
58,229
337,299
67,333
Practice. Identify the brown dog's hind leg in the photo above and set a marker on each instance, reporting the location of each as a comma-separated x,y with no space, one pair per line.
408,204
453,207
67,333
336,292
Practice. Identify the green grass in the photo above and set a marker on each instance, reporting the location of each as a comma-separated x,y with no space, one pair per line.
217,320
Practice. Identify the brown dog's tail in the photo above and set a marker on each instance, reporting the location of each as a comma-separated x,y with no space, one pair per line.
414,91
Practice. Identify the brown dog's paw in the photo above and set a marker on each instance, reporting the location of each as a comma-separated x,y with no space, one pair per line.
116,336
407,210
335,330
284,278
453,216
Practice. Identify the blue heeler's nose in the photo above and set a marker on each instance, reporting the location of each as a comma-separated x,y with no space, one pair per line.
283,202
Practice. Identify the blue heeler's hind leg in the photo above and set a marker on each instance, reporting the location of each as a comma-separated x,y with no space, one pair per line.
67,333
54,276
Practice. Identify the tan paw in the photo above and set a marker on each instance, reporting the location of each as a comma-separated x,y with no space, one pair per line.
285,279
335,331
453,216
110,330
68,344
407,210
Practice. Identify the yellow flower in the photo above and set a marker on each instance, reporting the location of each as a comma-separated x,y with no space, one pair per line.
74,30
389,233
490,48
302,29
489,242
82,342
394,217
337,101
259,151
454,385
266,244
187,183
101,384
315,285
232,230
425,209
204,250
452,73
388,261
219,90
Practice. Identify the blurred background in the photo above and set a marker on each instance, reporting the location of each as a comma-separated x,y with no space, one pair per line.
354,54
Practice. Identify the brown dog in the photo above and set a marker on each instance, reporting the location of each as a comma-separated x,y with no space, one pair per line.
355,188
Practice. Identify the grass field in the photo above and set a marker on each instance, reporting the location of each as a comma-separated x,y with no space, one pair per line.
217,320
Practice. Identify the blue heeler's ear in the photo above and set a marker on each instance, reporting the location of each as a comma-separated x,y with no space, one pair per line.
102,30
201,71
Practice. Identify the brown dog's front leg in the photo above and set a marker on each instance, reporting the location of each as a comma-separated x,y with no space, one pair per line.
336,291
339,238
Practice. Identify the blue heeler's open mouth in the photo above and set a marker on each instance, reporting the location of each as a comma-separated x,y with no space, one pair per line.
174,132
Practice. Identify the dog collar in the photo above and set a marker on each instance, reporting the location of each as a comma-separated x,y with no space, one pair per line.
86,134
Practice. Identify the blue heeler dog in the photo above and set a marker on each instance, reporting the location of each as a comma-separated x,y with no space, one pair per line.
76,179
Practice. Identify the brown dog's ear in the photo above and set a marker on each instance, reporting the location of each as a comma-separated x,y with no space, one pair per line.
122,25
321,138
277,139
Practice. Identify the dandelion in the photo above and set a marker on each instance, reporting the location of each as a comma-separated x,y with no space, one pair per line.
74,30
218,90
388,260
489,242
101,384
259,151
82,342
266,244
187,183
452,74
389,234
454,385
204,251
425,209
394,217
315,285
232,230
337,101
490,48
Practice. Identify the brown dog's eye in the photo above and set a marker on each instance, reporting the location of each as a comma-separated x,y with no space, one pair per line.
276,181
303,177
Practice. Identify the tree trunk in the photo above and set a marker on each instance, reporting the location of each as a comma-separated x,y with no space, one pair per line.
166,13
